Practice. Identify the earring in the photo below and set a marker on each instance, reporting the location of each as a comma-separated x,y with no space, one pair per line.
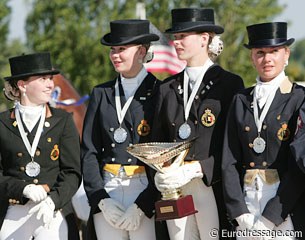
24,92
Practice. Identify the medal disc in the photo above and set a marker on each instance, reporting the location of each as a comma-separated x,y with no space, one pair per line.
184,131
120,135
32,169
259,145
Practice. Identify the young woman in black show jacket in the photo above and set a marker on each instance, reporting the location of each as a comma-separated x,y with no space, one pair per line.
40,156
193,104
120,113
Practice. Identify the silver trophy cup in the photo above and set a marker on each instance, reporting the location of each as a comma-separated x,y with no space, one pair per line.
164,157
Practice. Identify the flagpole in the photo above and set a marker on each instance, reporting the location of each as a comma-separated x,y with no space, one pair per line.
140,10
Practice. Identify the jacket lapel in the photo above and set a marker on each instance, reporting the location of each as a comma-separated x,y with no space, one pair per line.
110,92
282,95
144,92
210,79
247,98
177,86
9,120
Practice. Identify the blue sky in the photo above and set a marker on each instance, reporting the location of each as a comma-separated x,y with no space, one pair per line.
294,14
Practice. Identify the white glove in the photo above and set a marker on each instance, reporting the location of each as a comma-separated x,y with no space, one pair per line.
44,209
179,177
112,210
245,221
131,220
36,193
263,223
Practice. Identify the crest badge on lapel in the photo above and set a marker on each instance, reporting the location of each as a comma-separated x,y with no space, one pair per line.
208,118
143,129
283,133
54,153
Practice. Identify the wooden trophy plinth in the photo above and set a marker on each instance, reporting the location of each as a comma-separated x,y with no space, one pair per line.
175,208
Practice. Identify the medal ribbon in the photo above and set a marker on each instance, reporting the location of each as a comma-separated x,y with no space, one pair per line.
122,112
187,102
31,149
259,119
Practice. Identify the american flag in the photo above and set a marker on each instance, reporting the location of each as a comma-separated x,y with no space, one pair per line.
165,57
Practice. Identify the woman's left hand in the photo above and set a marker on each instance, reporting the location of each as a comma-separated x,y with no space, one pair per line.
132,218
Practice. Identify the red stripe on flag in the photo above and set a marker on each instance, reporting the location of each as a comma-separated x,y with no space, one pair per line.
165,60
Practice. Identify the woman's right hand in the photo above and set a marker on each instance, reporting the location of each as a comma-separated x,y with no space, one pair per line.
245,221
36,193
112,210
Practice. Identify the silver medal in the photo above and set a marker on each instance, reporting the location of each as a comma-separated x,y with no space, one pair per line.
120,135
259,145
184,131
32,169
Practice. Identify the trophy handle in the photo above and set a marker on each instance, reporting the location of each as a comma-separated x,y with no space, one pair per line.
175,163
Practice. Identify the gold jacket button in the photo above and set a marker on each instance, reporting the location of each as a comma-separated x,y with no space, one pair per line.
252,164
19,154
264,164
37,152
35,181
247,128
22,169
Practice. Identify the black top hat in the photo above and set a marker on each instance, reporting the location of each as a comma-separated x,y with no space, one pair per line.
271,34
193,19
35,64
132,31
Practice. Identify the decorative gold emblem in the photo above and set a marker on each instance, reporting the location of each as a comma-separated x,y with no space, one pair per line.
143,128
55,153
283,133
15,123
208,118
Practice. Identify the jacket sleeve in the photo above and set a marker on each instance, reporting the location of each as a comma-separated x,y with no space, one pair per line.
292,185
231,168
91,153
69,177
212,165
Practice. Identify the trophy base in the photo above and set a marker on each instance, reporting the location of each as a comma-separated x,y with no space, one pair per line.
173,209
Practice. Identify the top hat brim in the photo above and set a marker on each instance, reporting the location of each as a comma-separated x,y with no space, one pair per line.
270,43
26,75
200,28
140,39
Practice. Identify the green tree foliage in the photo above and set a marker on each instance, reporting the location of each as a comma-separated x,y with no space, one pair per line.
296,66
71,31
7,48
4,28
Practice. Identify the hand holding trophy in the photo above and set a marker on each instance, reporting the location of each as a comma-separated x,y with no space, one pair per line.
165,158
